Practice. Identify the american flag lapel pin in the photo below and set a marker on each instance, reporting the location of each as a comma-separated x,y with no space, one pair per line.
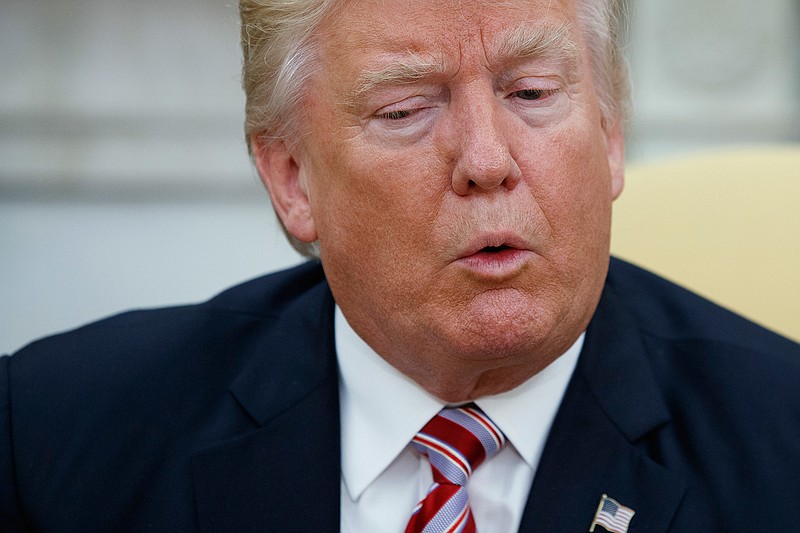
612,515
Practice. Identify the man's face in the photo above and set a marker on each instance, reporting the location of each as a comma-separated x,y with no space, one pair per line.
459,181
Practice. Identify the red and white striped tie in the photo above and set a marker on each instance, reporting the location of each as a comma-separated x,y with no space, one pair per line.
456,442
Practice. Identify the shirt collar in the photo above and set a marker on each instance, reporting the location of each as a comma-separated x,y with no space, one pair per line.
382,409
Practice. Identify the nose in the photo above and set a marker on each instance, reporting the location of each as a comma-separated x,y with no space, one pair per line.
484,161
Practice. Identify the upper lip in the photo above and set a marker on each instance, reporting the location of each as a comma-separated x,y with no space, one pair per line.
494,240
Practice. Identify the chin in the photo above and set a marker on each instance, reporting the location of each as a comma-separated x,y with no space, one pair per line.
503,327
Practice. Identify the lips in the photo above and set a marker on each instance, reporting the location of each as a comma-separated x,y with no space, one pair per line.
495,256
495,253
494,243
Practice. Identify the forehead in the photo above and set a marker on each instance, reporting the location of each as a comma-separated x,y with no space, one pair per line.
398,26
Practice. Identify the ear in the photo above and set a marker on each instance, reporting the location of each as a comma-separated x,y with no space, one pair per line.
615,150
284,177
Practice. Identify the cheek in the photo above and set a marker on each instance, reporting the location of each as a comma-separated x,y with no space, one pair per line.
374,203
571,181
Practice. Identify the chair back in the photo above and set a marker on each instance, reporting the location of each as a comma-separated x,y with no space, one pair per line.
725,225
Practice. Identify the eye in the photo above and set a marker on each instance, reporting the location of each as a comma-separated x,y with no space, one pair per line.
401,110
396,115
404,117
403,113
538,100
533,94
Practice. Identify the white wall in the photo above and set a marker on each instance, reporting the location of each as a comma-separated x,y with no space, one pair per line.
124,181
709,73
69,261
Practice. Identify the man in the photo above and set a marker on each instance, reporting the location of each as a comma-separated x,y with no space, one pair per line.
453,163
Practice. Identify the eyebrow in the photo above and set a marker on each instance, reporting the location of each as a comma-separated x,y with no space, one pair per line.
543,42
521,44
411,68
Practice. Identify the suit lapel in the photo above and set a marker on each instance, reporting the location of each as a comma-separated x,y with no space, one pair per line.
285,472
597,444
285,469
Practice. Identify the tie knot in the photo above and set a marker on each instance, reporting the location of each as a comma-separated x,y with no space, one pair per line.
457,441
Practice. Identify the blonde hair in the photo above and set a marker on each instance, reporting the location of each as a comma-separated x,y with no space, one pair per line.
279,59
604,25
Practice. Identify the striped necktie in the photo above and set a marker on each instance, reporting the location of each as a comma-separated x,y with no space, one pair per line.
456,441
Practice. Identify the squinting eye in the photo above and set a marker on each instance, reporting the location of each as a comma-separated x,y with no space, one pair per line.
395,115
532,94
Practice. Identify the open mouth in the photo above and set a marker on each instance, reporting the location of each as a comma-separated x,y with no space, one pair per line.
495,249
496,255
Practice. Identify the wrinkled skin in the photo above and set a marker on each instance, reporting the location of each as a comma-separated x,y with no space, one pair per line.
462,212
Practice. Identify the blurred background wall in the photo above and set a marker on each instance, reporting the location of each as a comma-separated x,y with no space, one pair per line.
124,180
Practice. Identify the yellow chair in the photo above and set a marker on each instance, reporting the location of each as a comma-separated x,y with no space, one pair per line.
724,224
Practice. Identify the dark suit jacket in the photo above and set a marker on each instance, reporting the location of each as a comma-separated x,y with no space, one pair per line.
224,417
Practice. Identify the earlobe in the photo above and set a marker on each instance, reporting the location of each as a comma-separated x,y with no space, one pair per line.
615,150
284,177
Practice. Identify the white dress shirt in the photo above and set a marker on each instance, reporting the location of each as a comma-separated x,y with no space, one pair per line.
383,478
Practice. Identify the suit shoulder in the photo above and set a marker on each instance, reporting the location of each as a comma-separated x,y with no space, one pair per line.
273,292
125,402
668,311
170,333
